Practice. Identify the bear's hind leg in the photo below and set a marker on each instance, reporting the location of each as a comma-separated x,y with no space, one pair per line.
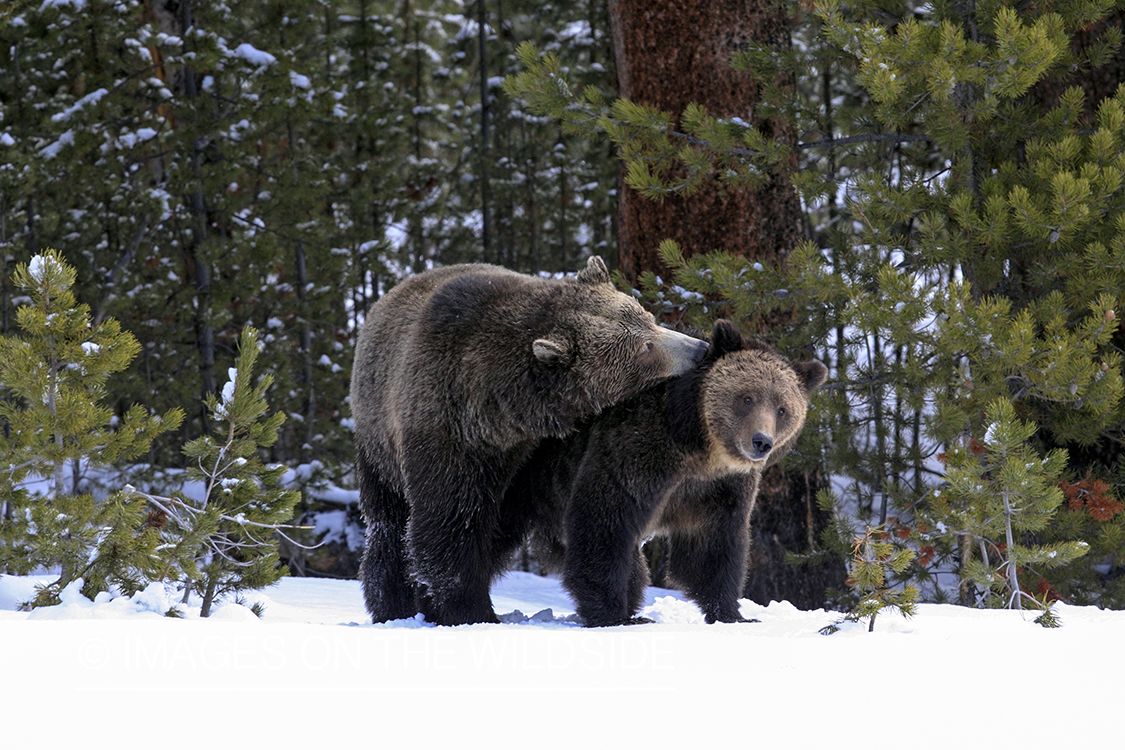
388,590
520,511
601,570
453,570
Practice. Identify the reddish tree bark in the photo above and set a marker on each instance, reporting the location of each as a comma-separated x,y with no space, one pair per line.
668,55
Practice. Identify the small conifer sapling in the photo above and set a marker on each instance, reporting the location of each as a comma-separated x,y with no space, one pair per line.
228,539
54,379
875,560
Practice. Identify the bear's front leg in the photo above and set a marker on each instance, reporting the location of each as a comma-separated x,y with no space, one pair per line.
709,561
710,573
453,520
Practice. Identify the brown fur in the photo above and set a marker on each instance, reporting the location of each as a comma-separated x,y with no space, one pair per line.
459,373
683,459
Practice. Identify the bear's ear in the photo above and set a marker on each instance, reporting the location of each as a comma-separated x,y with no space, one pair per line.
549,351
725,337
595,272
812,374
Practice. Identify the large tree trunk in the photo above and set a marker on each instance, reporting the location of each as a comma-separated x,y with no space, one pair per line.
668,55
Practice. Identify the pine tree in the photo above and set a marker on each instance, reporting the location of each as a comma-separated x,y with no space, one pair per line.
999,494
227,539
55,376
875,561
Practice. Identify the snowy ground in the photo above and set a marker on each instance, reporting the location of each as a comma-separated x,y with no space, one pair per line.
313,673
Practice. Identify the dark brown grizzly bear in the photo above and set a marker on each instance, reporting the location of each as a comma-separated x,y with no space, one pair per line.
683,459
459,373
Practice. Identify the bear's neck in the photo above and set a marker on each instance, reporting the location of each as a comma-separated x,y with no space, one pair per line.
681,410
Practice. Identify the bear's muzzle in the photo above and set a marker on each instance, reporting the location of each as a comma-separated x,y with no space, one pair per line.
684,352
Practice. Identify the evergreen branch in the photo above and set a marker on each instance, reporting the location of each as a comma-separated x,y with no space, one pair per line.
161,502
267,229
599,119
294,542
215,547
868,138
857,384
829,143
273,526
184,540
20,467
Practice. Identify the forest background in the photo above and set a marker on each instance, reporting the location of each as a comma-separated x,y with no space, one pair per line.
926,196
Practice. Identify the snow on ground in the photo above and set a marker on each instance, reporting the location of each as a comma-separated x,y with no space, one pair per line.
314,673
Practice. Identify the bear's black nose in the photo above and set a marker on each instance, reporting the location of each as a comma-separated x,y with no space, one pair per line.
762,443
700,352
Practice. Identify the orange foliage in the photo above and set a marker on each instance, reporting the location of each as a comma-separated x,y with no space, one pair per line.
1046,591
926,555
1091,495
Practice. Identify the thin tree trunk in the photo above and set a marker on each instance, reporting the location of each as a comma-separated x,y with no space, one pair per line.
564,221
204,332
308,382
485,191
416,229
878,413
177,20
307,379
67,572
208,597
32,243
532,219
1010,570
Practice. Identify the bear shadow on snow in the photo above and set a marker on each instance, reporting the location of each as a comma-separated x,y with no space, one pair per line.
683,459
459,373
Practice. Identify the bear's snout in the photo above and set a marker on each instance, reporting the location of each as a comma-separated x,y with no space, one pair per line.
684,352
700,351
762,445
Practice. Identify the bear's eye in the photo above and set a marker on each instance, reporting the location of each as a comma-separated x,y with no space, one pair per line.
748,401
781,412
649,347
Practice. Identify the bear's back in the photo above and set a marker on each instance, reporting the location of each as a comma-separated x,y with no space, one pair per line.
453,347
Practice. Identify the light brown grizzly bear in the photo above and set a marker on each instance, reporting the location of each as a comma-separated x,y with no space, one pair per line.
459,373
683,459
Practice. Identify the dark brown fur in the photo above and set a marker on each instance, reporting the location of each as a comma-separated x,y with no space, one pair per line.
459,373
681,459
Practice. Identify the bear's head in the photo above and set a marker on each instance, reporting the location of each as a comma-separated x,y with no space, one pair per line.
608,346
753,400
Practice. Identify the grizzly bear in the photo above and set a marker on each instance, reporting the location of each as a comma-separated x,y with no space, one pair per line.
682,459
459,373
